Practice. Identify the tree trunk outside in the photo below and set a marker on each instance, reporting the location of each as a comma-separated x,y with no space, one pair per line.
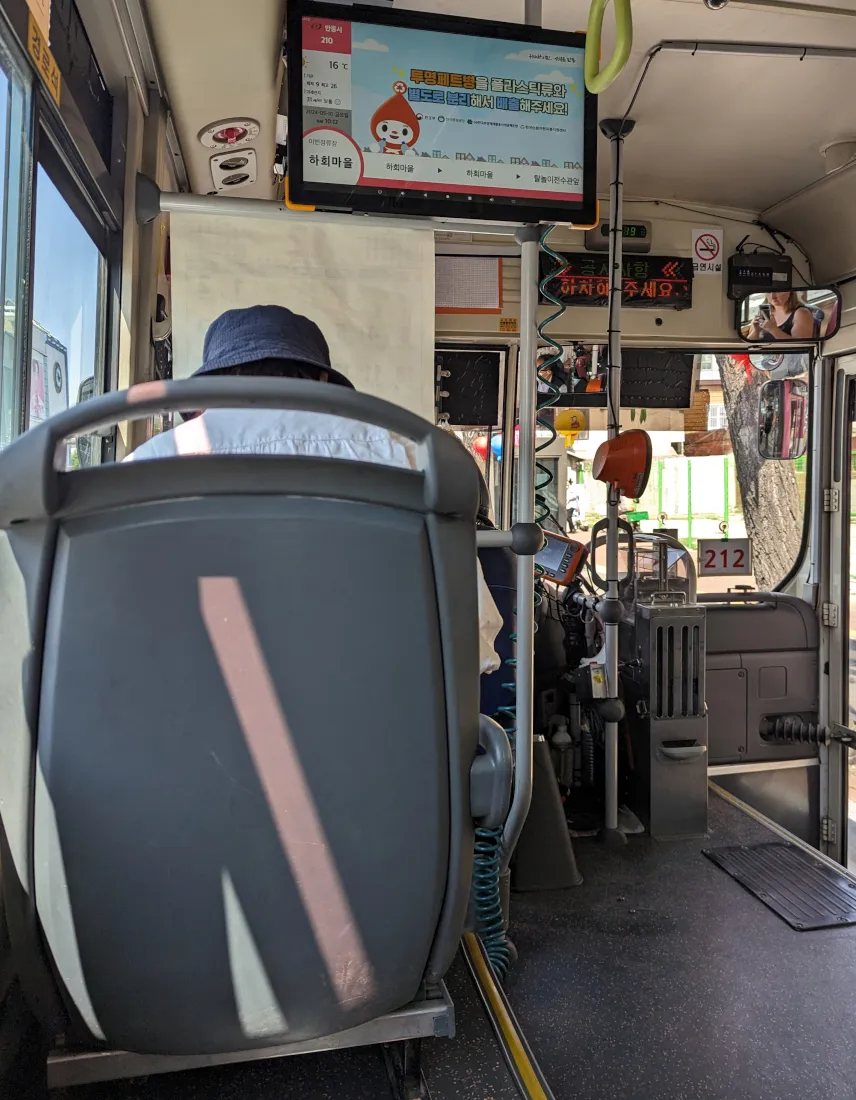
773,507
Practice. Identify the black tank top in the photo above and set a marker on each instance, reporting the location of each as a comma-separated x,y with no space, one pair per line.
787,325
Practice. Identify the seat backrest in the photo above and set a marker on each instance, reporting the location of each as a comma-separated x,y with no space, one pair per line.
244,727
499,567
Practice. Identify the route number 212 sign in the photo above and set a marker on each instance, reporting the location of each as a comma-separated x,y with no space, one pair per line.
724,557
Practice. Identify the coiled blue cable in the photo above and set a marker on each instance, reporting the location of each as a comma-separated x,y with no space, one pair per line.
486,894
542,508
487,898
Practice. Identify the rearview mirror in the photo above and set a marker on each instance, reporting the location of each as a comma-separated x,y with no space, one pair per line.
805,314
783,419
781,364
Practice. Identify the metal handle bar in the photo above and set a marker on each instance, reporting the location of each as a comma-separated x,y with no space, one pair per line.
586,603
522,538
682,752
29,478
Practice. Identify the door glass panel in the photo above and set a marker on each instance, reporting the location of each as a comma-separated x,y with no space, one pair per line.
67,316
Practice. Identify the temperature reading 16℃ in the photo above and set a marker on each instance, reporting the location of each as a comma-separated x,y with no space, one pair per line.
724,557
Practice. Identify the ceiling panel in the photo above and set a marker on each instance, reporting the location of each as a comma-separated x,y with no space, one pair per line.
733,131
220,60
705,133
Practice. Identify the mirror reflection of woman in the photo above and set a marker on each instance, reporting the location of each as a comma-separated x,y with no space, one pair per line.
784,316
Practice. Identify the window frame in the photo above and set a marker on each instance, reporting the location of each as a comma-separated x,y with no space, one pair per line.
54,151
17,215
56,136
809,503
721,415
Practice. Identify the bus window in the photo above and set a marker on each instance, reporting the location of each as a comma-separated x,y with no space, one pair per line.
708,470
486,447
68,314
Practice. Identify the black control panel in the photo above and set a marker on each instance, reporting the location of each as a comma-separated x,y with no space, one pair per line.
758,272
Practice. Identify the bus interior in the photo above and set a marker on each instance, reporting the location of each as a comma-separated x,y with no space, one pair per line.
264,829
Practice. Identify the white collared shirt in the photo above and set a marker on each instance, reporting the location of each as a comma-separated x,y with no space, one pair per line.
292,432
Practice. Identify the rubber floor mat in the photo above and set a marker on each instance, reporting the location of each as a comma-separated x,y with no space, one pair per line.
800,889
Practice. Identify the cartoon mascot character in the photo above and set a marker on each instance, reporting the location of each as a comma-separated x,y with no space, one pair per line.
394,124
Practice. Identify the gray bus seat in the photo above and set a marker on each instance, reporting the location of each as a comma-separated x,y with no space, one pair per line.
239,770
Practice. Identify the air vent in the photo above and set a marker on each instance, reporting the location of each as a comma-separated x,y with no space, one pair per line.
677,672
233,170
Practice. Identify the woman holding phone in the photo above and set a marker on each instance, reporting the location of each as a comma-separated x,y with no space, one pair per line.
784,316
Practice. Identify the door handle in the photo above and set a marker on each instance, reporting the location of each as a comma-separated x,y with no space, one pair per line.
682,752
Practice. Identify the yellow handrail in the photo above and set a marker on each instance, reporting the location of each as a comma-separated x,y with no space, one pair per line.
597,79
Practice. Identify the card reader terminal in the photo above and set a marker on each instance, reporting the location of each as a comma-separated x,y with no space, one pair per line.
561,558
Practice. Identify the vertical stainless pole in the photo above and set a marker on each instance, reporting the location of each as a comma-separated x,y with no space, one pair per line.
615,130
509,419
528,237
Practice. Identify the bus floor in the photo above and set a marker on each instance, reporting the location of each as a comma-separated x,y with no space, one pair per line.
659,977
662,977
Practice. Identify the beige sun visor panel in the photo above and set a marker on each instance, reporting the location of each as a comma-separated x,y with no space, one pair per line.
371,292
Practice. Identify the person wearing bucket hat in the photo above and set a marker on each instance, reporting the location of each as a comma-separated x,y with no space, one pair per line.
272,341
269,341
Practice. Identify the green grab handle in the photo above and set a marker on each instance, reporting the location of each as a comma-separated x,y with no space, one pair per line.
597,79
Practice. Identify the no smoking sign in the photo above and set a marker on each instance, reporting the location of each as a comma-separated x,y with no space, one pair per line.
707,251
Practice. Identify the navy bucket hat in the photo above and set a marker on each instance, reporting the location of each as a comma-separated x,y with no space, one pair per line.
249,335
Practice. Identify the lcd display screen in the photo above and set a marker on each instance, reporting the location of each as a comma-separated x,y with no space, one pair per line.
551,556
396,115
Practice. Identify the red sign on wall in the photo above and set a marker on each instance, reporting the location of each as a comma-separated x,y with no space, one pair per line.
326,35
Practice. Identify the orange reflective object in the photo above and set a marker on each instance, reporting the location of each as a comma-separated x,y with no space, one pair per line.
625,462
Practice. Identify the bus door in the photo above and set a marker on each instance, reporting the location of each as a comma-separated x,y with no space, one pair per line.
839,615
